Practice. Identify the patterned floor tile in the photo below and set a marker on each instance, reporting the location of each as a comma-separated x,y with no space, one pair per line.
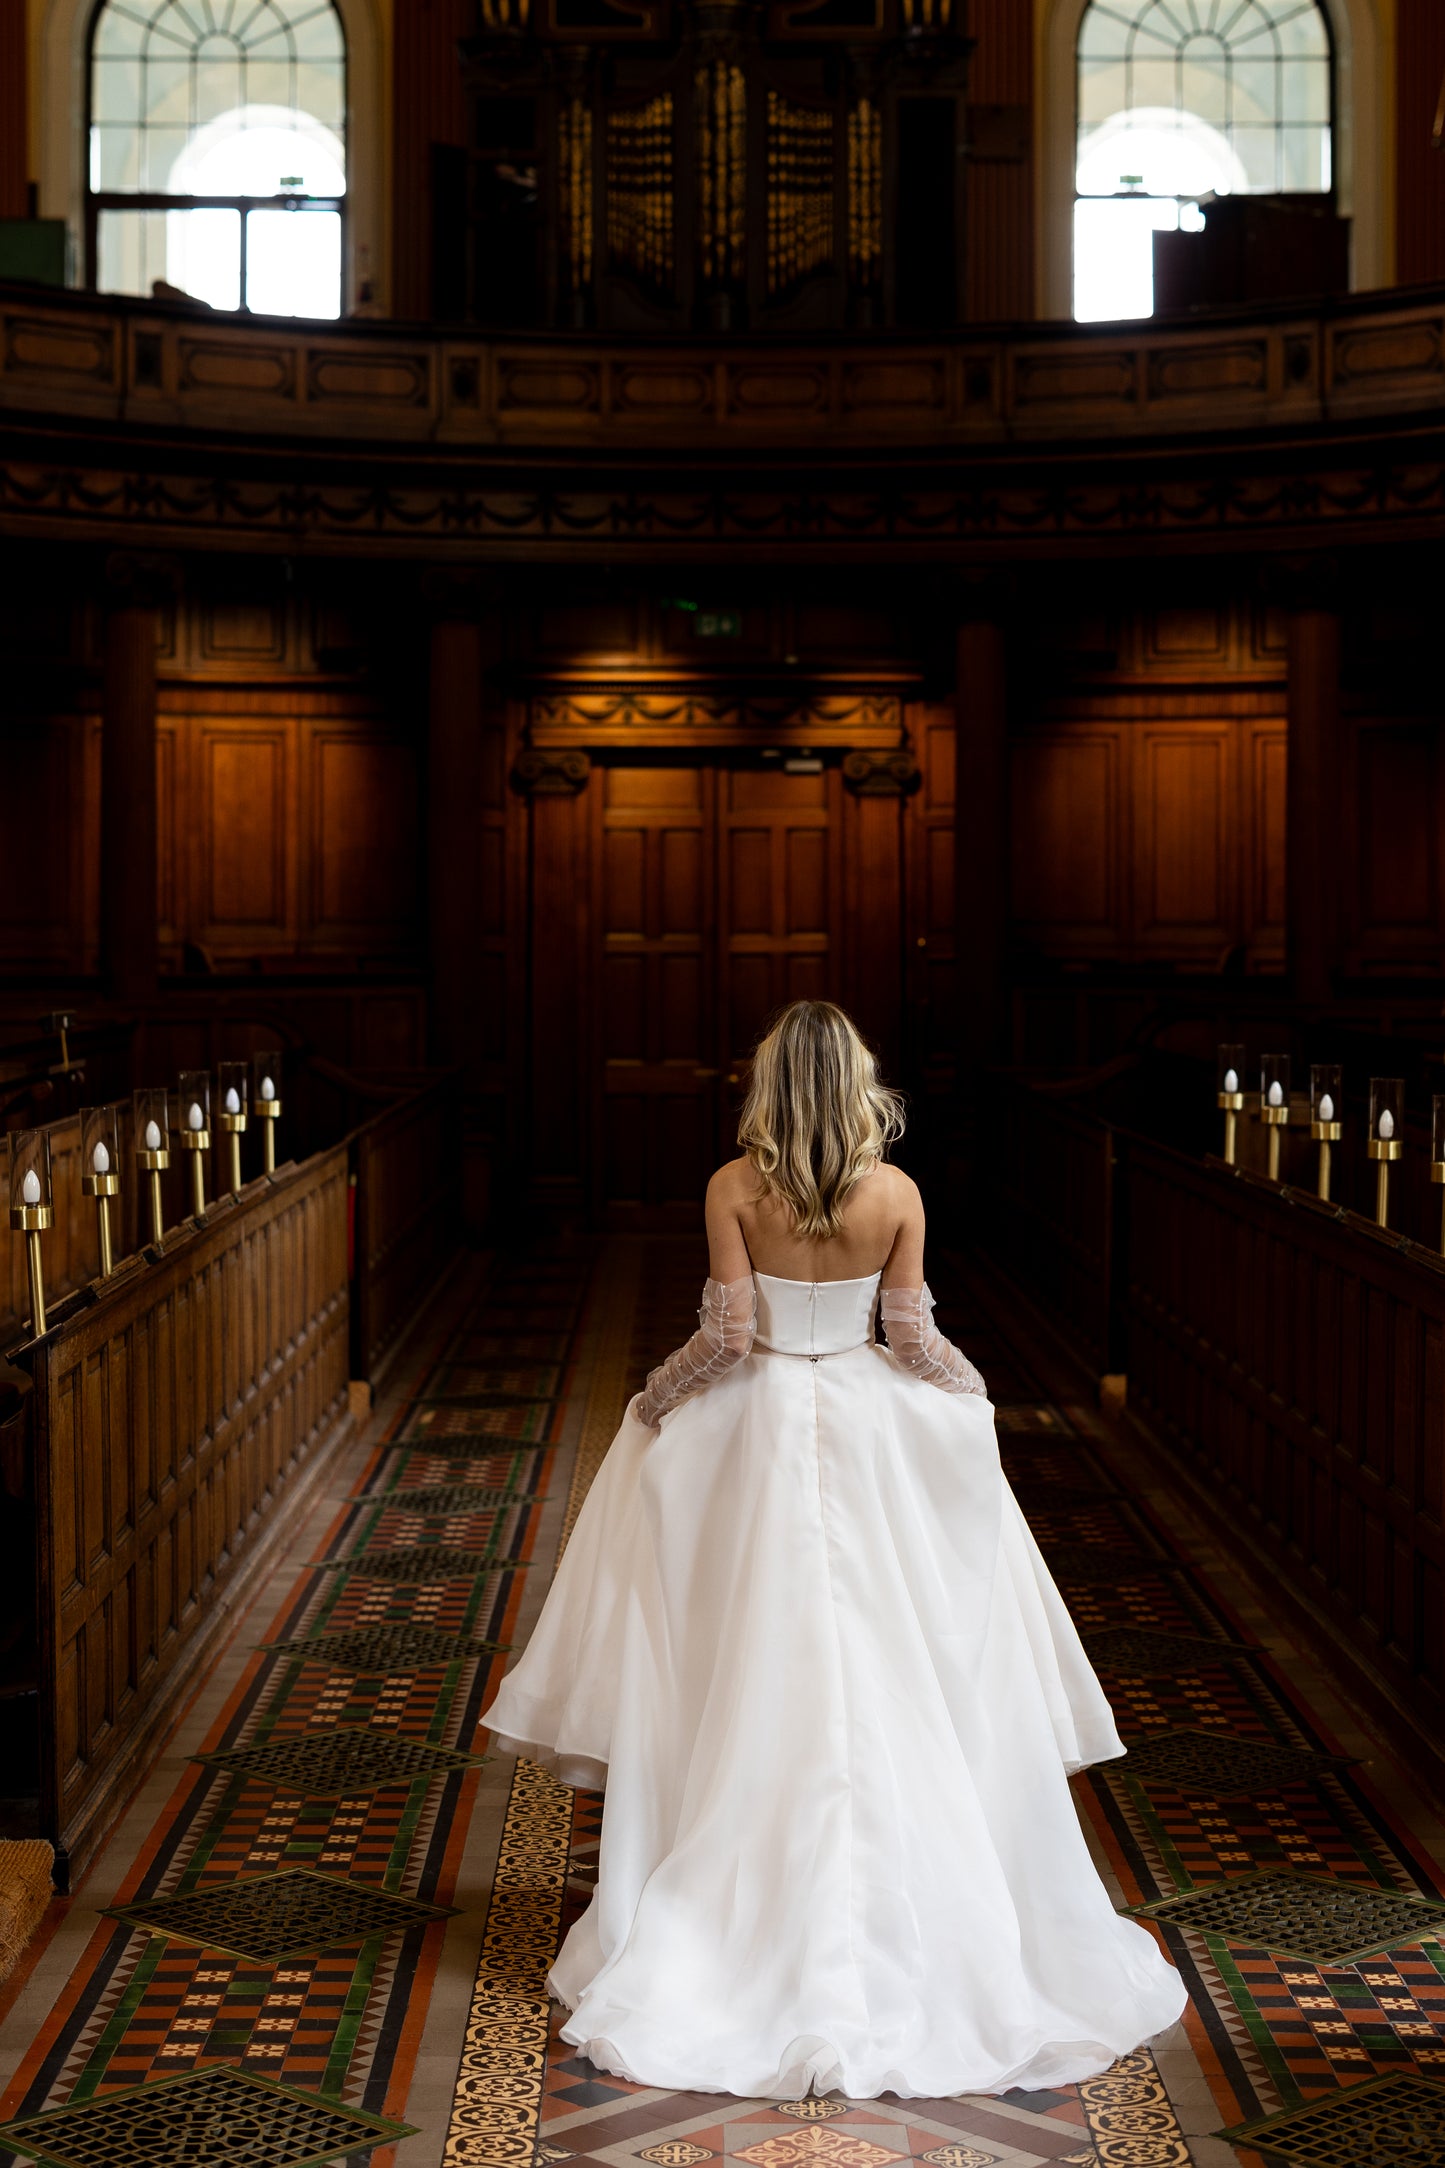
334,1764
217,2118
1157,1655
1394,2122
1304,1915
1069,1561
418,1562
1213,1764
273,1917
439,1499
377,1650
817,2146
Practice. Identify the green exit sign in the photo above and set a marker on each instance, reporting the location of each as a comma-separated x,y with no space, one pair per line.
718,625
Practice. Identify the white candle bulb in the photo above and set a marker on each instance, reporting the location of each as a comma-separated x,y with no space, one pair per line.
100,1159
268,1089
153,1137
1387,1126
1231,1080
1327,1107
196,1119
1276,1093
30,1187
233,1100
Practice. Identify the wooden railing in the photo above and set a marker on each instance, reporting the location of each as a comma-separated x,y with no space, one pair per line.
171,365
1288,1355
170,1418
170,1407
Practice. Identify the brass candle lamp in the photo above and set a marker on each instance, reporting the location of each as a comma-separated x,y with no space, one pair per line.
233,1088
1326,1099
193,1128
32,1210
1274,1103
1387,1119
100,1172
1229,1095
266,1100
1437,1155
153,1148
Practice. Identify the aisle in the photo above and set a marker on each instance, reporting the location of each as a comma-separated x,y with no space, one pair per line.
286,1947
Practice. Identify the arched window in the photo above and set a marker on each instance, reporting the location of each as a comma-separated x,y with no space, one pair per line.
217,152
1178,99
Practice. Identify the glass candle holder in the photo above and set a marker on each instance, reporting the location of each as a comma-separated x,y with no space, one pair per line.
1386,1138
1327,1097
100,1172
193,1128
1437,1155
1274,1103
233,1091
151,1136
1229,1094
266,1100
32,1209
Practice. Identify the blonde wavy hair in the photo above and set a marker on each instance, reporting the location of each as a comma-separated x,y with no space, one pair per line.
816,1117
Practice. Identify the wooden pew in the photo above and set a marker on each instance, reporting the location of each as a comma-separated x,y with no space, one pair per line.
169,1419
1287,1356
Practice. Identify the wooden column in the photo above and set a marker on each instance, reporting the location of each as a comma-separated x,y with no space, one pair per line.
1313,802
128,907
981,844
454,730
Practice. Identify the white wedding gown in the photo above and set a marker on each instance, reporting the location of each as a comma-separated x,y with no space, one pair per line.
804,1635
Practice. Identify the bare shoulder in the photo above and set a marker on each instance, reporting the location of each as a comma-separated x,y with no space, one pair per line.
897,1189
733,1182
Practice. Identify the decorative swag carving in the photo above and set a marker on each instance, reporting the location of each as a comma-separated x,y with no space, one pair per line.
853,718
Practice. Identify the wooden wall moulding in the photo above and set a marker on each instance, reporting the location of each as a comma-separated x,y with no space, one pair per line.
550,773
94,356
701,719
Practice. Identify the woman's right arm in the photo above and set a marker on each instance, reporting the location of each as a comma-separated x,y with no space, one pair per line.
727,1319
906,1308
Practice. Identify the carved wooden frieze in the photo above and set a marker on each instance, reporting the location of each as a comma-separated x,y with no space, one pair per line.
875,774
714,718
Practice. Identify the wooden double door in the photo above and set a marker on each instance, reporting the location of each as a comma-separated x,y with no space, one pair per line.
721,888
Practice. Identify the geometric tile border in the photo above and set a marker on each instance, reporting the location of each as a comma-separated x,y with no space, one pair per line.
376,1650
1391,2122
1148,1654
1311,1916
333,1764
420,1562
1216,1764
440,1499
217,2118
271,1918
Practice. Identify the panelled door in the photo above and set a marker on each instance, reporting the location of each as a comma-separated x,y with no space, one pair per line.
717,897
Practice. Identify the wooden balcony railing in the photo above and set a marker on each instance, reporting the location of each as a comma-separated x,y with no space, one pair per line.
169,366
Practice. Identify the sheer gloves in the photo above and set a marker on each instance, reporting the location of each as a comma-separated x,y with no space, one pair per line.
919,1346
727,1322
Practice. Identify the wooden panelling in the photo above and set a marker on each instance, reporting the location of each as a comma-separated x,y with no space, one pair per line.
170,1421
363,836
50,853
246,791
15,171
1150,838
1395,918
928,934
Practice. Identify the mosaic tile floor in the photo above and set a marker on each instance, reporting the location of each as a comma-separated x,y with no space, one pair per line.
322,1933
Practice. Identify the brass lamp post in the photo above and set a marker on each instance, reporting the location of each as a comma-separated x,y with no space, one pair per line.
193,1128
100,1172
233,1087
1387,1119
266,1100
152,1131
1229,1095
1326,1099
32,1210
1274,1103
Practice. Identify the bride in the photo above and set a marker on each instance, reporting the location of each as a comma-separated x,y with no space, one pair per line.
803,1635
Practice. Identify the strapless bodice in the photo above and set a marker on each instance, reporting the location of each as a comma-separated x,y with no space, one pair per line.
815,1317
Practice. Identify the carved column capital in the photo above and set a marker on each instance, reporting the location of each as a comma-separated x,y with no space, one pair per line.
140,580
544,773
889,773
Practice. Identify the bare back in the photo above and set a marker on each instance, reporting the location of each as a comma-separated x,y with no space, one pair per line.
882,1231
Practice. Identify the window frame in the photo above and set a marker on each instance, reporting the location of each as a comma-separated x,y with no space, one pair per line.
95,201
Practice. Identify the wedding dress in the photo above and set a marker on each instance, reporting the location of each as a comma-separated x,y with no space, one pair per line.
803,1634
